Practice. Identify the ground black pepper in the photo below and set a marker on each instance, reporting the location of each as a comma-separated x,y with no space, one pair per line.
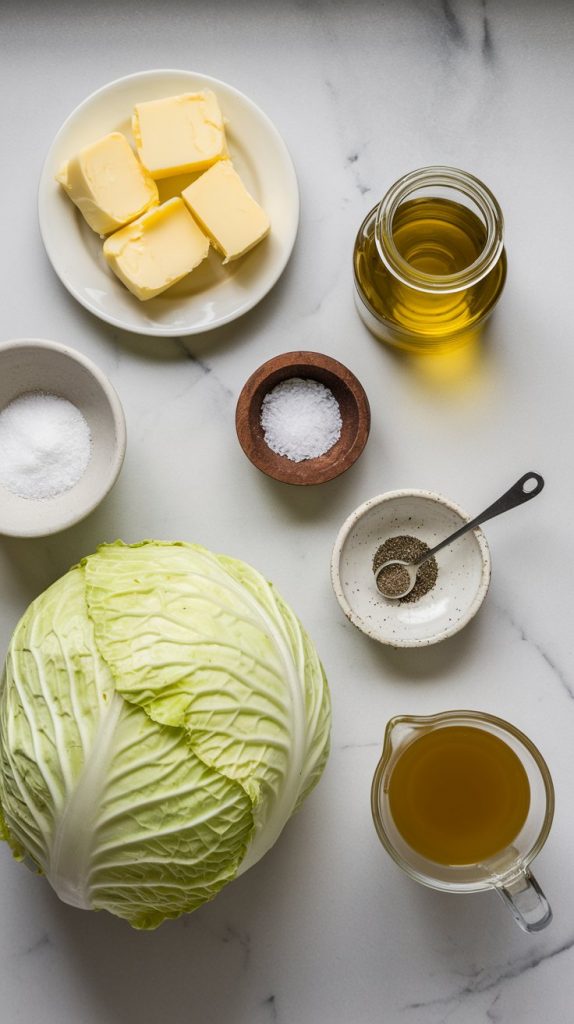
408,549
393,580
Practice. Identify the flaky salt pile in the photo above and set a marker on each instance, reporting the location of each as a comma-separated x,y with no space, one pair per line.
301,419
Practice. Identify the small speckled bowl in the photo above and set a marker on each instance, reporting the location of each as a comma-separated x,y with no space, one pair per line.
33,364
463,569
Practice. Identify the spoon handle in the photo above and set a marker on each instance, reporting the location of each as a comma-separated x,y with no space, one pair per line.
516,495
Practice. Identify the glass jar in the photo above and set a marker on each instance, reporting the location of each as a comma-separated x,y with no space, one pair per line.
429,259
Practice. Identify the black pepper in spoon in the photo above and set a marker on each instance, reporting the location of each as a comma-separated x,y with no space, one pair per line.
407,549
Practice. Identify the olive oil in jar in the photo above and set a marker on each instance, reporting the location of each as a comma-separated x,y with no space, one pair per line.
432,273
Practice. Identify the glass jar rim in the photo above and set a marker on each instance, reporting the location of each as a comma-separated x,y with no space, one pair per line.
444,177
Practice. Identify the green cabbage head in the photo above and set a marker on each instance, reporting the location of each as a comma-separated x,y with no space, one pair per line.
162,715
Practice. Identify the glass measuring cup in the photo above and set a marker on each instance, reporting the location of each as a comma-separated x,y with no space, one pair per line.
507,872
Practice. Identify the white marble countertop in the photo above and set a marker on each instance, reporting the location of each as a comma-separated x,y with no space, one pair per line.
326,929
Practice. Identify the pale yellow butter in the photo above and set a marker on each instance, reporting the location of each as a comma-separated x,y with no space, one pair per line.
108,184
179,133
157,250
224,209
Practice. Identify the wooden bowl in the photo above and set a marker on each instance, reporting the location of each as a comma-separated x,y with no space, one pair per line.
353,403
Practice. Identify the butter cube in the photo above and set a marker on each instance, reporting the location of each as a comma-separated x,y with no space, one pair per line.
108,184
157,250
226,212
179,133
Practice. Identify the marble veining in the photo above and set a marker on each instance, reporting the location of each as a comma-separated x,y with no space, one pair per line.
270,1005
559,673
480,980
243,940
353,161
488,48
453,27
326,929
37,946
455,31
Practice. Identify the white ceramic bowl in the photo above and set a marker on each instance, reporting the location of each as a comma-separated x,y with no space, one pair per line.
33,364
213,294
463,569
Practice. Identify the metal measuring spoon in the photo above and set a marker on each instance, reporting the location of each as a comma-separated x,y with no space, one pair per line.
396,578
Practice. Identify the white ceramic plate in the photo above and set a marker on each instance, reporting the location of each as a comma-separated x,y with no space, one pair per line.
213,294
463,569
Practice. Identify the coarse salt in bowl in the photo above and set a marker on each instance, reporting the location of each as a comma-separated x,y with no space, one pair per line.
34,368
339,390
301,419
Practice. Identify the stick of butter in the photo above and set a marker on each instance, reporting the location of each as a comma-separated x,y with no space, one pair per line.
179,133
226,212
157,250
108,184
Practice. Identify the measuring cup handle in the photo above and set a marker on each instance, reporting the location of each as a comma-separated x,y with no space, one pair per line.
526,901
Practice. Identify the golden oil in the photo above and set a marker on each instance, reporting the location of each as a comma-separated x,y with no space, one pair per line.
429,270
459,795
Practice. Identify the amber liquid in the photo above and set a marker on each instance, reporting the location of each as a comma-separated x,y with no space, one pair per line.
458,795
438,237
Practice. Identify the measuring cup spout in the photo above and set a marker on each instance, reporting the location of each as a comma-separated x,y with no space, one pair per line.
399,731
